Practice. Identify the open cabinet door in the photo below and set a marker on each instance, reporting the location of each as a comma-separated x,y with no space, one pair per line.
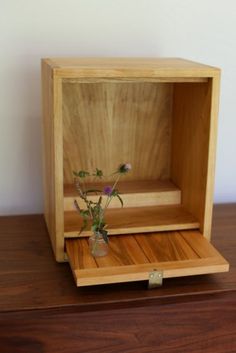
133,257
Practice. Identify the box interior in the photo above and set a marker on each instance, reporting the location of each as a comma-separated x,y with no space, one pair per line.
162,129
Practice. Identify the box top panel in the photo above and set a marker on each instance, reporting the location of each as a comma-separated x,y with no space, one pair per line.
129,67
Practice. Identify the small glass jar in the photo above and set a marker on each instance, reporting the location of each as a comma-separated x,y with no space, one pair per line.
97,245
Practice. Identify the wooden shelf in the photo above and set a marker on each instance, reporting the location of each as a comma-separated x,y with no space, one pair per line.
136,220
132,257
134,194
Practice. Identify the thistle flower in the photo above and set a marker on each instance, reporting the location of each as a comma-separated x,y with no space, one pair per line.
98,173
107,190
124,168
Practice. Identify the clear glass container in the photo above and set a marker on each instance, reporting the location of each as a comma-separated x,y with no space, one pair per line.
97,245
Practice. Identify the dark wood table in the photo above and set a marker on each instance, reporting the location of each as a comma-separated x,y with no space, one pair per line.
42,311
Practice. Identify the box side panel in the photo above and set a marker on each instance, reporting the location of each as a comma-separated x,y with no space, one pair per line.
193,151
48,182
215,87
51,195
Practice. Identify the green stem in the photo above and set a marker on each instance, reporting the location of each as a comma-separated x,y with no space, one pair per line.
109,198
94,246
83,197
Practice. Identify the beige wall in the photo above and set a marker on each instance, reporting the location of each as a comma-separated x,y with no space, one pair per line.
202,30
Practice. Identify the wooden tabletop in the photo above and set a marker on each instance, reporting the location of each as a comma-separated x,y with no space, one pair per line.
31,279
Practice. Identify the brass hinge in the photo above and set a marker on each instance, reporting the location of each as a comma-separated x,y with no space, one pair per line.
155,279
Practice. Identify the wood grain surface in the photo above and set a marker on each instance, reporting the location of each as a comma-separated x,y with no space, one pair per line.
134,194
146,68
194,133
132,258
43,312
53,159
205,326
135,220
107,124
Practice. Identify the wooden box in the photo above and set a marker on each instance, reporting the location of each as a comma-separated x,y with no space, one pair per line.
160,115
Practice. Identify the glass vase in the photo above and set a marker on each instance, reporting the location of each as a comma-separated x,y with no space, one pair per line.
98,246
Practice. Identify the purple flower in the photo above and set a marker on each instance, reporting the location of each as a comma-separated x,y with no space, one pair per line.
125,168
107,190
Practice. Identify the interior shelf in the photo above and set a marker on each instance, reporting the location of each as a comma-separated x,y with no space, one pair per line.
132,257
136,220
134,194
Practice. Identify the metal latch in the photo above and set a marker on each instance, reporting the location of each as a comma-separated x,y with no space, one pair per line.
155,279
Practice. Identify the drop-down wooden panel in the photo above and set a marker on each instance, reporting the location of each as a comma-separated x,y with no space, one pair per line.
132,257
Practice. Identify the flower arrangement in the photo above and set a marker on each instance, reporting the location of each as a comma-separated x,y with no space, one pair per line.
94,211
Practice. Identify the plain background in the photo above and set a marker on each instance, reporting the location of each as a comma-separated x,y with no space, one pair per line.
200,30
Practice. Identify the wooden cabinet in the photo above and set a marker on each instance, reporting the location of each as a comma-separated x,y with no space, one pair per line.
160,115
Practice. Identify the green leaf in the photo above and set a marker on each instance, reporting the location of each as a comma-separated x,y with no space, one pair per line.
102,225
75,173
97,209
84,213
104,235
85,223
77,206
100,200
114,192
81,174
121,201
94,227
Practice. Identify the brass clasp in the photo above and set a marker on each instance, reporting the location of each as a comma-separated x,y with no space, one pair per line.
155,279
